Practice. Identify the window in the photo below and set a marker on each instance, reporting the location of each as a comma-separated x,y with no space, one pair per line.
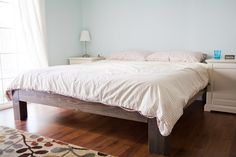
22,39
9,53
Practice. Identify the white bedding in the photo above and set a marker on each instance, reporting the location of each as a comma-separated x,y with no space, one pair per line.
155,89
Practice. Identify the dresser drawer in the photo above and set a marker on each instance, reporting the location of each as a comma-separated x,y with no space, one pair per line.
75,61
224,102
80,60
224,80
224,66
221,95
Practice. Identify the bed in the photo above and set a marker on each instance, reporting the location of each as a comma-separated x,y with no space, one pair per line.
152,92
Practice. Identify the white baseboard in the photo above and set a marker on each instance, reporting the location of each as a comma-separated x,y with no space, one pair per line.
5,106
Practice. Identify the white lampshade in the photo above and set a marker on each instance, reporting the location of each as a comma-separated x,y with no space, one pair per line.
85,36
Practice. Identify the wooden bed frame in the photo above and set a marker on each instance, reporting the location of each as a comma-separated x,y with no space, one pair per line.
157,143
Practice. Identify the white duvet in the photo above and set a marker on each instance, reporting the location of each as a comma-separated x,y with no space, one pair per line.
155,89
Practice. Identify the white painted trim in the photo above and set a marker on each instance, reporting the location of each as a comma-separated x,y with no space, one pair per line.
5,106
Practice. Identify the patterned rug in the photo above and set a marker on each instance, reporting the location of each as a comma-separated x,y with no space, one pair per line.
15,143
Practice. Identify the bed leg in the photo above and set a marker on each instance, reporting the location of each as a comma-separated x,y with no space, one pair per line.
157,143
19,107
204,98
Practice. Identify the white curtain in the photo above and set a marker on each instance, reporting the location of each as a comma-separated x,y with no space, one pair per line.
33,34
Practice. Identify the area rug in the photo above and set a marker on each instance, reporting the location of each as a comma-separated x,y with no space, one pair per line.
16,143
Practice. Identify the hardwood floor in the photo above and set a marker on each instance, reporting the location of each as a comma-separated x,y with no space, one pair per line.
197,133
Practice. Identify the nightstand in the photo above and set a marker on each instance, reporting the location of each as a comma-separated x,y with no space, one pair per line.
80,60
221,94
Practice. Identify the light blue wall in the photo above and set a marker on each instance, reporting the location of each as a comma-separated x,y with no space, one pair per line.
139,24
160,24
64,22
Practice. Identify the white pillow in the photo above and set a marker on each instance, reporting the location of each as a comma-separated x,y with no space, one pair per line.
177,56
130,55
187,56
159,56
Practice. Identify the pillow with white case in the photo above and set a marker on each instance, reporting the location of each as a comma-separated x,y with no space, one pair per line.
131,55
177,56
187,56
159,56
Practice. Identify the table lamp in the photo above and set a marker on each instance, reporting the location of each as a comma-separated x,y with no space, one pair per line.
85,36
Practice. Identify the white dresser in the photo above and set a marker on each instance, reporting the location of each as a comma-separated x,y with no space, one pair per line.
80,60
221,94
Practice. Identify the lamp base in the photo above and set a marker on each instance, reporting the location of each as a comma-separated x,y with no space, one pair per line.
85,55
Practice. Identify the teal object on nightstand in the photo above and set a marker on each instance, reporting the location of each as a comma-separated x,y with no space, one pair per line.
217,54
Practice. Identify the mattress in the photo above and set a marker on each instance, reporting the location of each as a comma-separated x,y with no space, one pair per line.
154,89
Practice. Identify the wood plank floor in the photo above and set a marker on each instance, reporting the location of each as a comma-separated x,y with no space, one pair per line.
197,133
